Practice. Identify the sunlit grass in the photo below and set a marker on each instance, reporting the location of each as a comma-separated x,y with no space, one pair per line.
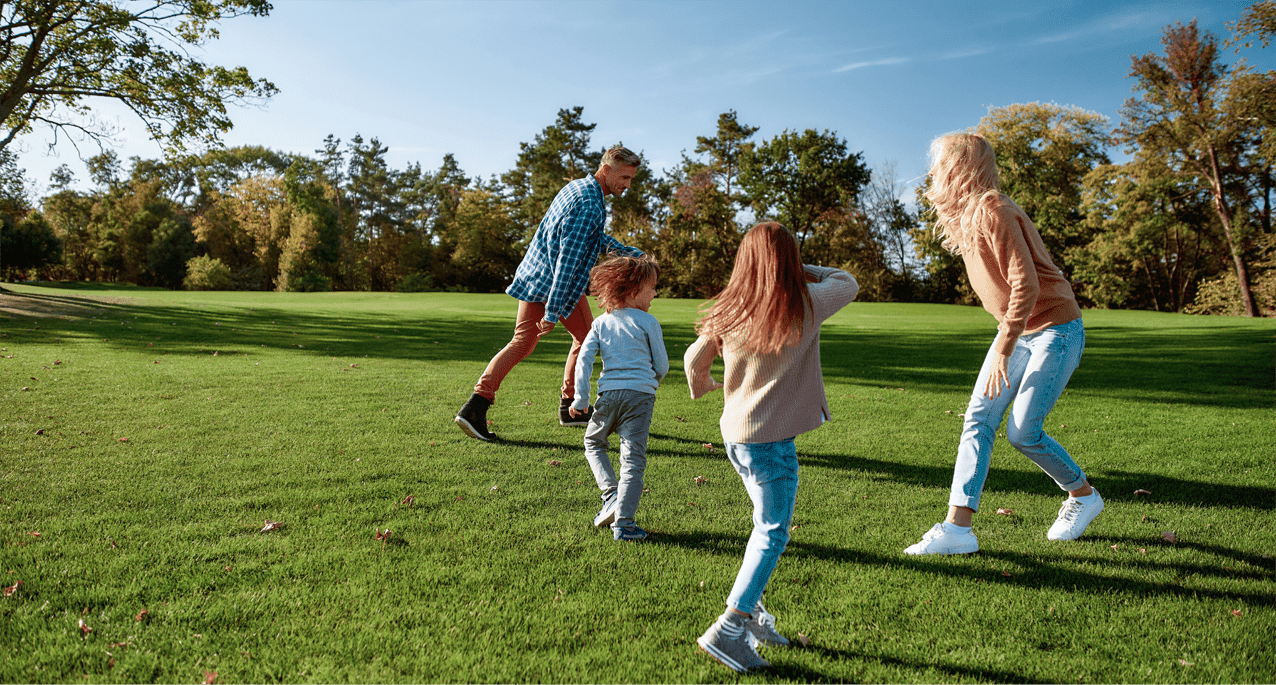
148,435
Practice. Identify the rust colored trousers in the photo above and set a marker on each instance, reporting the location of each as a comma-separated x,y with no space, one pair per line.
526,335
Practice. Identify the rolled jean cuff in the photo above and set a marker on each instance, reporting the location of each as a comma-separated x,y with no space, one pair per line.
1074,485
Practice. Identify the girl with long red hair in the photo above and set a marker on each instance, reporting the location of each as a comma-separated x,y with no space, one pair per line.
766,326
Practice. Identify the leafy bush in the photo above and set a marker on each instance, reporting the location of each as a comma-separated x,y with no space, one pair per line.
206,273
416,283
1222,295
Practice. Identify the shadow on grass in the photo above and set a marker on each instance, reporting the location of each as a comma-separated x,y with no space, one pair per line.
1208,366
809,675
1116,486
1062,574
1203,366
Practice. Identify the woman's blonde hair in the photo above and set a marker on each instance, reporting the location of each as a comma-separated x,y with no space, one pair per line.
963,170
618,278
766,300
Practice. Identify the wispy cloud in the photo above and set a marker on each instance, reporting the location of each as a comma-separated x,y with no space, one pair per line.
873,63
973,52
1113,24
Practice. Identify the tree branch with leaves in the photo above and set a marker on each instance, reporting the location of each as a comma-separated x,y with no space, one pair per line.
57,56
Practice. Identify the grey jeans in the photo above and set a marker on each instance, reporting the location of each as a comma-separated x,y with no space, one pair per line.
627,413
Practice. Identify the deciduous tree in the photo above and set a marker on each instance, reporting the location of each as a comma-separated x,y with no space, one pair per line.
57,56
1189,118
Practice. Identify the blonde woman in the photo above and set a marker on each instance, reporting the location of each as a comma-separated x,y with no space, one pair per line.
1038,345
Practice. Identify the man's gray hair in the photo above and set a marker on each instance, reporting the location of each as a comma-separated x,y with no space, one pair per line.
620,156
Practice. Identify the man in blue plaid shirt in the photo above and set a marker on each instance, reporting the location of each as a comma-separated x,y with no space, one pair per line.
550,285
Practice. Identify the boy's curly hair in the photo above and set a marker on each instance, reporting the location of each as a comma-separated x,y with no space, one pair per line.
619,277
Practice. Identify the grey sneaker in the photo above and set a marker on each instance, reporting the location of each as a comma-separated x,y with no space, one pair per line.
762,628
1075,514
728,642
607,514
940,539
629,534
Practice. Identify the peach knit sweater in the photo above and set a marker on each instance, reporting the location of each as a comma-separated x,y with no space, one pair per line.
773,397
1012,272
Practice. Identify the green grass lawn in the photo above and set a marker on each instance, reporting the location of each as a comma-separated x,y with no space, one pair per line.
146,436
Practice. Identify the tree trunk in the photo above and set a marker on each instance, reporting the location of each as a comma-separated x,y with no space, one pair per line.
1224,216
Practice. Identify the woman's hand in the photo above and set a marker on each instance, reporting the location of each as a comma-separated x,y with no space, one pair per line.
997,378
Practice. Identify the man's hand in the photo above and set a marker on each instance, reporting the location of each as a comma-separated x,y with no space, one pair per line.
997,378
575,413
544,327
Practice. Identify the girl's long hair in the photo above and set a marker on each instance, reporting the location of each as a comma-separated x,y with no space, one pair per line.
963,171
766,300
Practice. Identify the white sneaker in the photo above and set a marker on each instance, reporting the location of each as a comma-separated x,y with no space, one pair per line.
943,538
1075,514
607,515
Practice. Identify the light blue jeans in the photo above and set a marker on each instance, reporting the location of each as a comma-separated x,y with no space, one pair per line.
1038,371
770,474
626,413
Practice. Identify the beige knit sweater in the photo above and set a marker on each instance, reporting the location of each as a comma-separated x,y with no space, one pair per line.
775,396
1012,272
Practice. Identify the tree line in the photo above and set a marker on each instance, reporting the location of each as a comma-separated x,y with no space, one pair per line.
1185,225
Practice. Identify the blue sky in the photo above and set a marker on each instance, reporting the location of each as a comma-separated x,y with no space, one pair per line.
476,78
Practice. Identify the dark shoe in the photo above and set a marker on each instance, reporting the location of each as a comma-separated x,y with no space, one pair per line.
473,418
566,419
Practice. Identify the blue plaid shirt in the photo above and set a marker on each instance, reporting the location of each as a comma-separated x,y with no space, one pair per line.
567,242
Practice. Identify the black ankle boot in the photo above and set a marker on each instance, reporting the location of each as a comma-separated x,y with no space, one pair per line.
473,418
566,419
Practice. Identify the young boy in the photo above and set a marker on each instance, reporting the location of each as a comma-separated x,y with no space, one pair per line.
634,362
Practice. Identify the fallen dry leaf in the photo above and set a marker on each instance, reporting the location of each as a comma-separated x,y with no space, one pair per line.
1142,551
804,640
680,419
1236,612
383,536
407,501
709,446
123,439
555,462
1169,536
8,591
700,480
1115,546
1142,493
84,628
210,677
1185,662
1005,512
34,533
40,432
141,615
271,525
